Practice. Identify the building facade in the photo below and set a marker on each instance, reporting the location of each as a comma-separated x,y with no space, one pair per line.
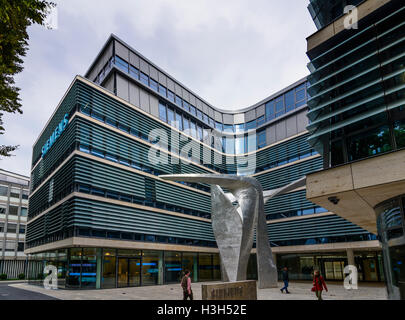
357,114
14,191
100,213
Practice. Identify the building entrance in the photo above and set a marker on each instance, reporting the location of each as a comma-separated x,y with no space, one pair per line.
129,272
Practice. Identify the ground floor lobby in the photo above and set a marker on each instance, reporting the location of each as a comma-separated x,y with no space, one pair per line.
106,268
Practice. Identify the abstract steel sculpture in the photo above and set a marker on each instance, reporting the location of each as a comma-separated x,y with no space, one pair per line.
235,215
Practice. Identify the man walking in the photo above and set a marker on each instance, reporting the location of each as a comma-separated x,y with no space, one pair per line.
186,286
285,280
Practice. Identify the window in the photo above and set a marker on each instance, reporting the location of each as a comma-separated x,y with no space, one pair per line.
261,139
3,191
199,115
121,64
289,101
21,230
25,195
369,143
218,126
200,133
24,212
260,121
179,121
134,72
162,90
170,116
144,79
1,226
15,193
279,106
153,84
178,101
251,125
192,110
162,112
270,110
399,133
13,210
11,228
186,124
239,127
170,95
2,210
20,247
240,145
205,118
211,122
193,129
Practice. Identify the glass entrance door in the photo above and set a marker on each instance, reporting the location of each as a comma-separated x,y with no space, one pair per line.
333,269
129,272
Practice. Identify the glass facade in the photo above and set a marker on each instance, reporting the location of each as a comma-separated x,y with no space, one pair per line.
91,268
359,112
331,265
391,230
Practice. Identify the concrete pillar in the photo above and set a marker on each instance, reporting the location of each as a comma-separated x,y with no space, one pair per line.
350,257
274,259
195,268
160,268
99,263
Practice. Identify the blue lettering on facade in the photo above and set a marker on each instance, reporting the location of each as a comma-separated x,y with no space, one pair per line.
55,134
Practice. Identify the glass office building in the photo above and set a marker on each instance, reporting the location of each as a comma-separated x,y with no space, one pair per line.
100,213
357,123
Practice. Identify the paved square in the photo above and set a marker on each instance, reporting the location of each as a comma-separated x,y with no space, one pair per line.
299,291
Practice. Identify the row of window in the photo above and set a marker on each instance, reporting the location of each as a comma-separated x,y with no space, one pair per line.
120,235
296,213
10,246
275,108
13,210
134,164
229,144
14,192
323,240
12,228
149,201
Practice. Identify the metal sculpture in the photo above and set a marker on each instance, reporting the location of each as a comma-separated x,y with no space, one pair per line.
235,215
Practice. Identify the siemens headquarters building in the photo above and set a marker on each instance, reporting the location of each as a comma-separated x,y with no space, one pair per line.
101,214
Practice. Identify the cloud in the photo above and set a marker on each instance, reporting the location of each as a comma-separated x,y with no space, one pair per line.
232,53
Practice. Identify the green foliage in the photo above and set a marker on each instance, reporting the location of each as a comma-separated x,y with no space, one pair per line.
3,276
15,18
21,276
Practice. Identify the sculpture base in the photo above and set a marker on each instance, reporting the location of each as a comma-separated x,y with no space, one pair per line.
240,290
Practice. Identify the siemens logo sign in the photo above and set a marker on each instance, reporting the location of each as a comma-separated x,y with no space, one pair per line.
55,134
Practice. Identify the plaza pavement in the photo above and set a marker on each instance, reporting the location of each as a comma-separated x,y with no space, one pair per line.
299,291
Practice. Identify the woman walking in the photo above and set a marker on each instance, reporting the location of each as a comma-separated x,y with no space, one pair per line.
319,284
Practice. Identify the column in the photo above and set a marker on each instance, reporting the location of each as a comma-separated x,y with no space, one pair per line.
195,268
350,257
99,257
160,268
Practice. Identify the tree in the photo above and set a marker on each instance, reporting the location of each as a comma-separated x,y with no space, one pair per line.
15,17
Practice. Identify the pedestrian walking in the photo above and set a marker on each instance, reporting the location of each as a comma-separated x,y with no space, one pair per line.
186,286
286,280
319,284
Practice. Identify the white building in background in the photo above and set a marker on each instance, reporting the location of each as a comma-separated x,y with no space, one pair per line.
14,191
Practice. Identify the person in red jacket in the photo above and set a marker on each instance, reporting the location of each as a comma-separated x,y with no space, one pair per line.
319,284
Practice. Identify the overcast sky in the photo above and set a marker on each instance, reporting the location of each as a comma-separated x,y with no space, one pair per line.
232,53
